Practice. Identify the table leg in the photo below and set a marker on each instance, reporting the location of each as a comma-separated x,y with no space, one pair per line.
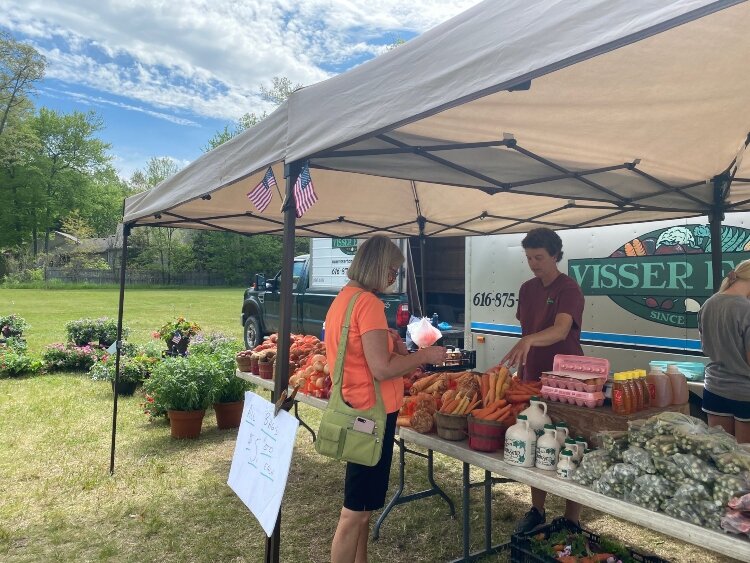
399,498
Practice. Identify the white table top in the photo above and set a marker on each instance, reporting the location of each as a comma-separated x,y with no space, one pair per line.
726,544
269,384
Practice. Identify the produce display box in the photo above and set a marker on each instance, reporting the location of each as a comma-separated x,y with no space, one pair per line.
580,398
521,544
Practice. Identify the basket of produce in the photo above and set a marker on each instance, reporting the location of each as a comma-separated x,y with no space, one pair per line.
562,540
486,435
244,361
254,363
265,369
451,426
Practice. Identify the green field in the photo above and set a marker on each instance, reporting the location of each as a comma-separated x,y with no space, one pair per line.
168,500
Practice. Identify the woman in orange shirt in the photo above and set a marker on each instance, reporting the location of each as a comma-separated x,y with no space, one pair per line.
372,352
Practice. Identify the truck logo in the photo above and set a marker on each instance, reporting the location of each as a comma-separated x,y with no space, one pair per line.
663,276
345,245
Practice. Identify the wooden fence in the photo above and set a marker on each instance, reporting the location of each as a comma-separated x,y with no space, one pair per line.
134,277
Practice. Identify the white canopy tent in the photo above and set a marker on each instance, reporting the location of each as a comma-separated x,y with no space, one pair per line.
511,115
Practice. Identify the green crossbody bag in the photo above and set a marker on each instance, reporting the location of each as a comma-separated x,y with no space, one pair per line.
337,436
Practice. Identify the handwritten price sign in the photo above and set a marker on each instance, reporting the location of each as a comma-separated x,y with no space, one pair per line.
262,455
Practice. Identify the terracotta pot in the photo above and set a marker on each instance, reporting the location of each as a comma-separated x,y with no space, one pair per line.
125,388
229,415
185,424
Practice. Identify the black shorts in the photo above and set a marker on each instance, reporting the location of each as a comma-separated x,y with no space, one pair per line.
719,406
365,487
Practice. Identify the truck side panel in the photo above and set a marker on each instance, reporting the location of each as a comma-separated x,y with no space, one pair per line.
643,285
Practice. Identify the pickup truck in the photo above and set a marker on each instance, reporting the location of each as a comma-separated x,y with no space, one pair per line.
260,308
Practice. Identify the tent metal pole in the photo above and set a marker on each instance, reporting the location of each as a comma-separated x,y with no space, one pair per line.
281,377
118,343
421,221
715,217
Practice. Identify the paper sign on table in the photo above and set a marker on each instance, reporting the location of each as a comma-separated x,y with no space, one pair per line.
262,455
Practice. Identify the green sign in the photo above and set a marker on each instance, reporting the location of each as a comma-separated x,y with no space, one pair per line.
345,245
664,275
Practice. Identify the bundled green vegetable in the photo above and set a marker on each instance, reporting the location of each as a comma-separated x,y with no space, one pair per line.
650,491
617,480
733,462
704,443
696,468
727,486
667,422
592,466
668,468
613,442
640,458
640,431
663,445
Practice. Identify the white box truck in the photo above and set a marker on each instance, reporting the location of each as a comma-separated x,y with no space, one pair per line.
643,284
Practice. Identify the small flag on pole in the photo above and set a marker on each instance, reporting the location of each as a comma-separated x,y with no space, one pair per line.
261,194
304,191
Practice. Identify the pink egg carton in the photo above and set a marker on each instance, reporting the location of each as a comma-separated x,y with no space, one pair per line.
582,365
580,398
574,382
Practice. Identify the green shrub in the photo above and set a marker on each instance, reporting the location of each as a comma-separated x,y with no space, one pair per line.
85,331
183,383
13,363
16,343
204,343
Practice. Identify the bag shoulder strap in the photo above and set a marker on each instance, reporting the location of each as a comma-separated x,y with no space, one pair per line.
338,370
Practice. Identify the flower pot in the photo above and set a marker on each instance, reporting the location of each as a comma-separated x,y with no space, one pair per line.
185,424
125,388
265,370
229,415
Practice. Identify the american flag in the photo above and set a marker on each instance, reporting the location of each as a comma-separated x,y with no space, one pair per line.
304,191
261,194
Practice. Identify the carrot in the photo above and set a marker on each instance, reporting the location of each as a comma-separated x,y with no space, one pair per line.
470,408
461,406
424,383
450,405
485,387
493,385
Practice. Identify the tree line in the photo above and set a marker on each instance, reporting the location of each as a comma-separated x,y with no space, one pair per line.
56,176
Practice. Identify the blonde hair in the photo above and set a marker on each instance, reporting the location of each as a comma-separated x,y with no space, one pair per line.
740,272
373,262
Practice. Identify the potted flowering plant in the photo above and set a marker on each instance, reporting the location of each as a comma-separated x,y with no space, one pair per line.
133,371
12,325
184,386
177,335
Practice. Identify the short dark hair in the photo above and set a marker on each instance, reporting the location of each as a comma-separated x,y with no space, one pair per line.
544,238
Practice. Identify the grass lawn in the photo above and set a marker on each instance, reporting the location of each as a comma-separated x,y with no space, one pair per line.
168,500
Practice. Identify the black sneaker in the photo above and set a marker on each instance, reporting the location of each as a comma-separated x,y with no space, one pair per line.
530,520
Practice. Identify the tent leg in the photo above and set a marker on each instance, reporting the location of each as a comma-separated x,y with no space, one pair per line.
423,264
715,217
291,172
123,266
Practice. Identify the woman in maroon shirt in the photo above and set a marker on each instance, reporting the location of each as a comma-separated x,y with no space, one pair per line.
550,309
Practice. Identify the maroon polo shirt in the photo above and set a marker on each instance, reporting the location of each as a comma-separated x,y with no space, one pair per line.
537,308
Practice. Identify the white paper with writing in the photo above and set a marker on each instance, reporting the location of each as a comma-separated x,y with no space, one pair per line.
262,455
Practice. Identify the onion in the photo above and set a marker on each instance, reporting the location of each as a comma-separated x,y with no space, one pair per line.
326,369
318,366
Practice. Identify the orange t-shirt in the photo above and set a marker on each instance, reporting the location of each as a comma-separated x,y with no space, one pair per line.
368,314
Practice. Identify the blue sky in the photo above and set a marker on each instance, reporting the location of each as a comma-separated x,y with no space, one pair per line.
166,76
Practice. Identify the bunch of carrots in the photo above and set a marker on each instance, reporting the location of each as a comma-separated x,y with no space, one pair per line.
457,402
521,391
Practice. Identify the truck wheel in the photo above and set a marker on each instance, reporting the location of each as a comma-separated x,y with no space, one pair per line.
253,336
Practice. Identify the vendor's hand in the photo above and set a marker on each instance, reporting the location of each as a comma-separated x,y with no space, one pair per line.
399,346
518,354
433,355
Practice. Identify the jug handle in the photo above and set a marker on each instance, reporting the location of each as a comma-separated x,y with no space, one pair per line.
544,406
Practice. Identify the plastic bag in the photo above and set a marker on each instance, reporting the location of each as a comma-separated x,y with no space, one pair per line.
733,462
735,522
705,443
593,465
422,333
668,468
614,442
640,458
667,422
650,491
691,492
727,486
639,432
695,468
617,480
662,445
740,503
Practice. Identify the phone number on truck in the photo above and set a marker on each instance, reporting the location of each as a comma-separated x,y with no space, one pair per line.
490,299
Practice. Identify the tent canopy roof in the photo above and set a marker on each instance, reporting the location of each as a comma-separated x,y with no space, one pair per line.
511,115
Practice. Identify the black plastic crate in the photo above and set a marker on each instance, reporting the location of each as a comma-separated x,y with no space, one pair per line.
520,544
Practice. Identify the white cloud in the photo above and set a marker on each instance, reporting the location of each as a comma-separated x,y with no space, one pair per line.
210,57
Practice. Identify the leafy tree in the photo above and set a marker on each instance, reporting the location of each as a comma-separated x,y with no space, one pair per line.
70,154
77,226
20,67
